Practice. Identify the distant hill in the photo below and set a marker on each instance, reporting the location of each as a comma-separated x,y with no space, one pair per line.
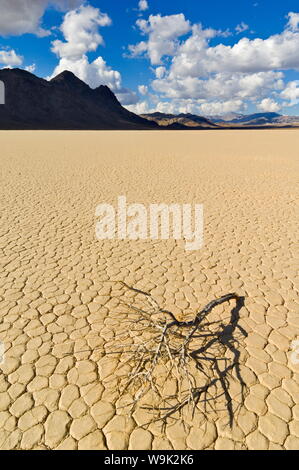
65,102
287,120
180,121
256,119
231,120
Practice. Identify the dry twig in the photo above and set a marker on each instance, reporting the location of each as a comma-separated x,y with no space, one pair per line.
190,357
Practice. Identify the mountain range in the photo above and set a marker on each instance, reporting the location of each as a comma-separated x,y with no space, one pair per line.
66,102
257,119
231,120
180,120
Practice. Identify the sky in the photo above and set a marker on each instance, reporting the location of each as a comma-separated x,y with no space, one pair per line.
173,56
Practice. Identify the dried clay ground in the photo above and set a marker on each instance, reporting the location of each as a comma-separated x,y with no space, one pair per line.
58,308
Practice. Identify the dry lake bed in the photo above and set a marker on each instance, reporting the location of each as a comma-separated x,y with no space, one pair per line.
58,388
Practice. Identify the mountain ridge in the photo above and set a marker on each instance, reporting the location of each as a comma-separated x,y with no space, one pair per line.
254,118
64,102
234,120
183,119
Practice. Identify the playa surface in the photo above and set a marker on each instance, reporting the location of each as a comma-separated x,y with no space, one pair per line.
57,390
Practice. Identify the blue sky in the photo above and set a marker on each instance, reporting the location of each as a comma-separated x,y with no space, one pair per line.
167,55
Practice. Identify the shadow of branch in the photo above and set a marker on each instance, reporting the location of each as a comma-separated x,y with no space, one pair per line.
190,351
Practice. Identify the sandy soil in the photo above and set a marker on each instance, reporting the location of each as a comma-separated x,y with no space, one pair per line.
55,298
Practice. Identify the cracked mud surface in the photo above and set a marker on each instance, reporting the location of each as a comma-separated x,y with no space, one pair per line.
55,296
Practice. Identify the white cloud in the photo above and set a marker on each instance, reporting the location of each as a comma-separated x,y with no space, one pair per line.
240,28
174,107
178,106
293,21
222,107
143,90
30,68
160,72
222,78
25,16
80,29
163,33
138,49
291,93
224,85
140,108
143,5
269,105
196,58
10,58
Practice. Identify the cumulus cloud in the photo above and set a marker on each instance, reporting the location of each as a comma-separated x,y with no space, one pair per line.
160,72
31,68
80,29
25,16
163,33
169,107
291,93
143,5
222,107
178,106
293,21
221,78
195,57
240,28
10,58
143,90
269,105
224,85
140,108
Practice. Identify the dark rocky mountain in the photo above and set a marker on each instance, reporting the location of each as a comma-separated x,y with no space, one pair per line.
180,121
65,102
